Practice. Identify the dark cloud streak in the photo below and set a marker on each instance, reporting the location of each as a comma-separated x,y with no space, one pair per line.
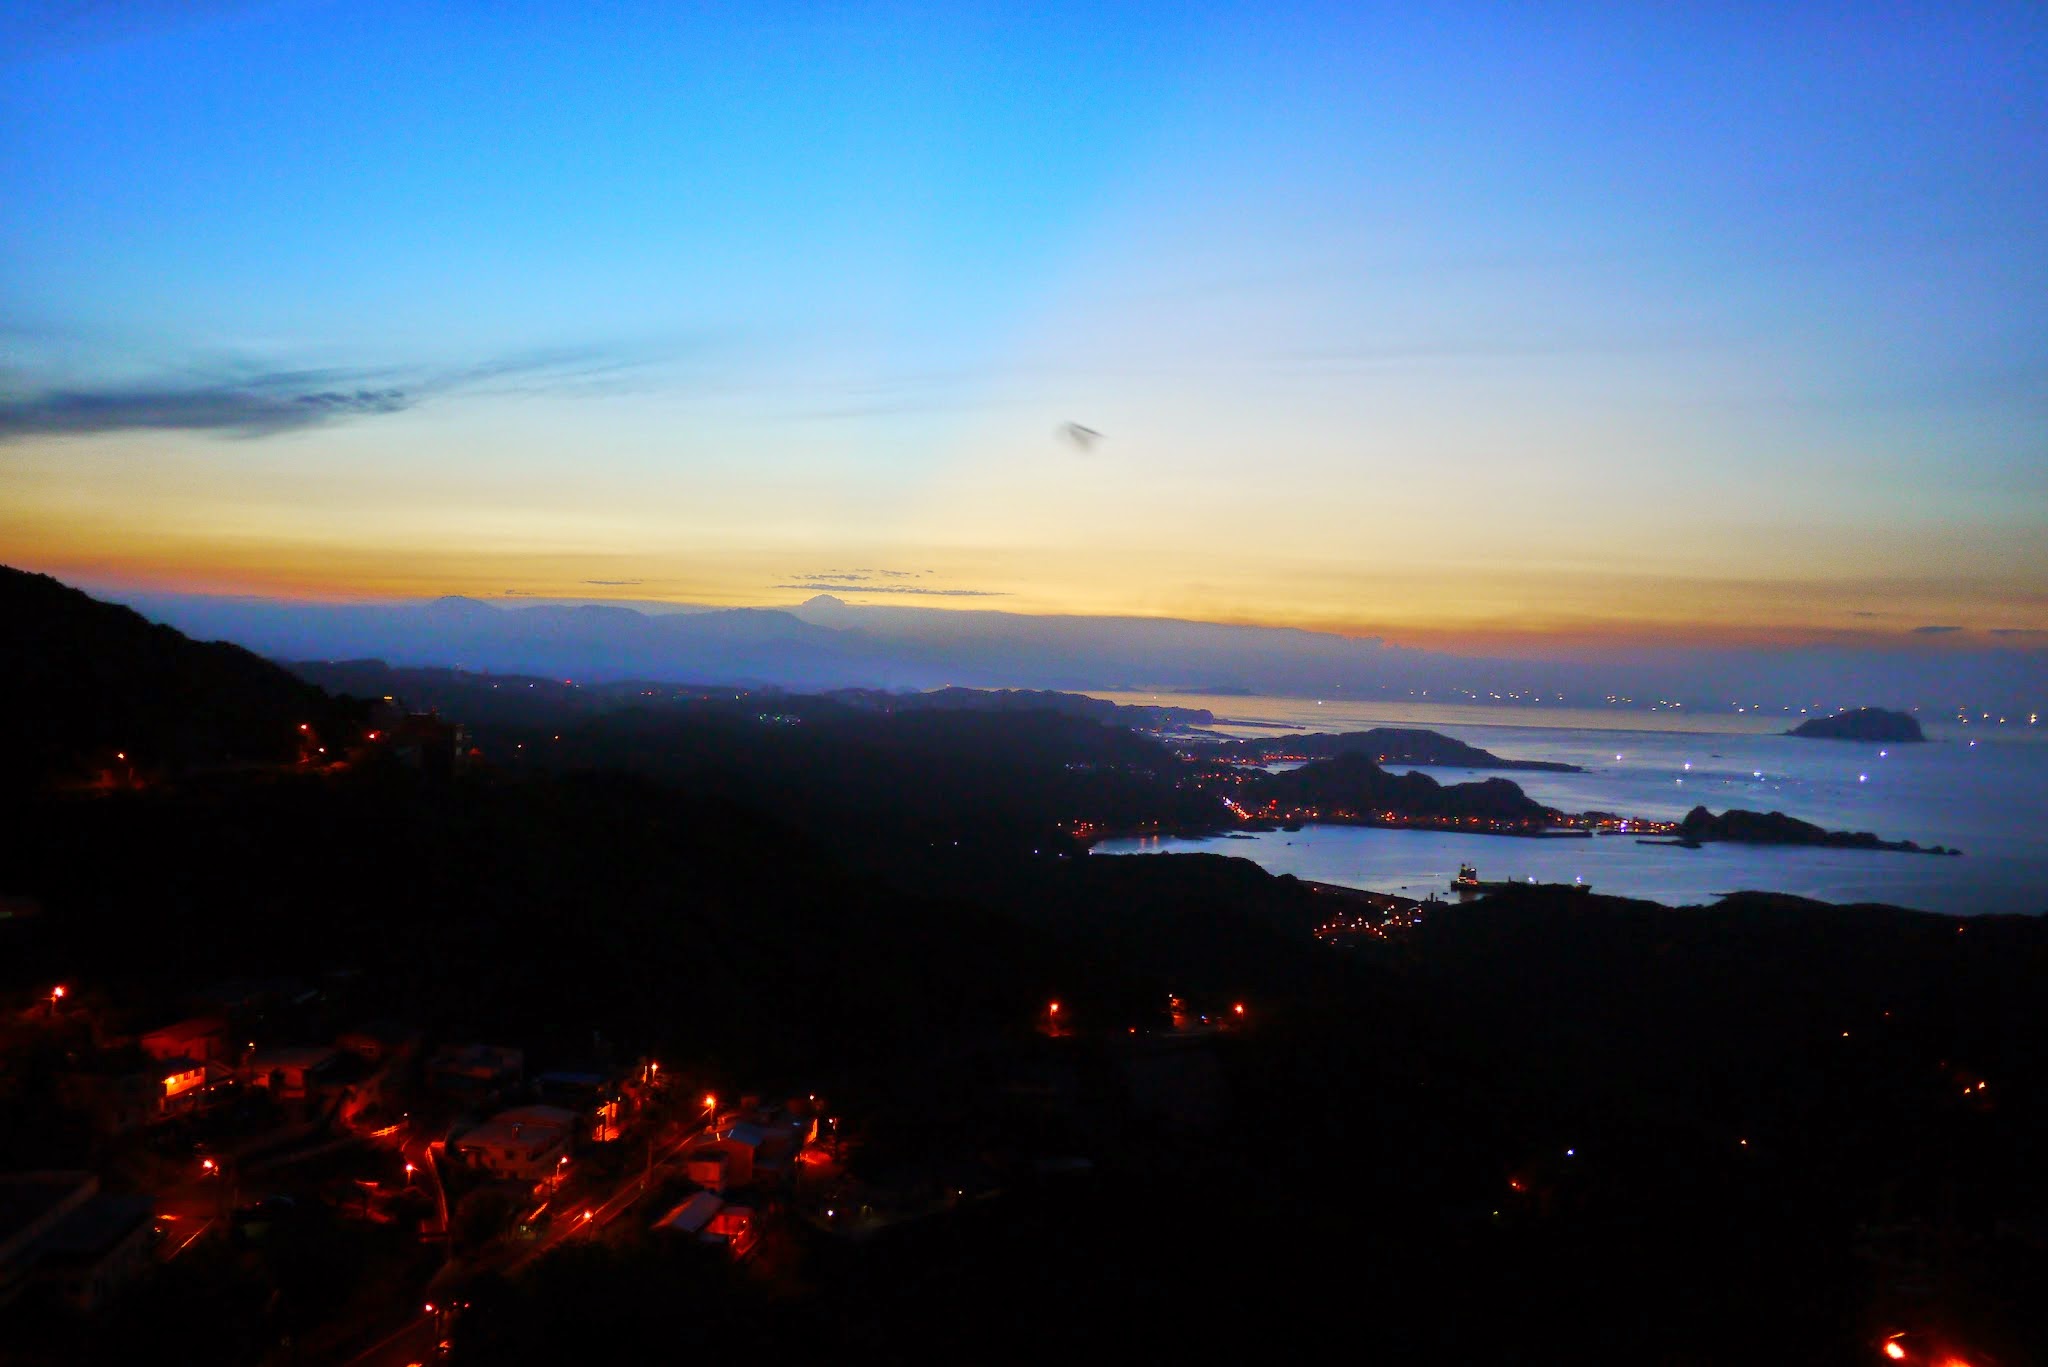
258,403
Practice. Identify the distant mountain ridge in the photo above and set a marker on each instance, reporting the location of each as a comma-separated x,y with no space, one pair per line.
822,645
828,643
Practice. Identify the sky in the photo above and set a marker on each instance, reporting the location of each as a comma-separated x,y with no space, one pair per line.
1535,329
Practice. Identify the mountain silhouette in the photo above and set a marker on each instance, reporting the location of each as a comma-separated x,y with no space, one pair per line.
87,681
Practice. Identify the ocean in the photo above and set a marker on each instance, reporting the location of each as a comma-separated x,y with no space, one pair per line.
1980,787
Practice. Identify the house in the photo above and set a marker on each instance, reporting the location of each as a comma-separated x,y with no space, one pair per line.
693,1216
423,741
593,1096
733,1230
379,1041
708,1219
198,1037
121,1097
60,1234
712,1168
183,1080
295,1071
475,1072
527,1142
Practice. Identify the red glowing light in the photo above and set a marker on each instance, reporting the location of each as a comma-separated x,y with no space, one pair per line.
1893,1351
1053,1010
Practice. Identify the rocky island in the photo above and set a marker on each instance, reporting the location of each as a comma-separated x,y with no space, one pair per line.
1737,826
1864,724
1382,745
1352,783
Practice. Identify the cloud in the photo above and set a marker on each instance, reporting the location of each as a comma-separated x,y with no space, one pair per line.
839,586
615,583
267,405
249,402
856,576
2019,631
1934,631
517,593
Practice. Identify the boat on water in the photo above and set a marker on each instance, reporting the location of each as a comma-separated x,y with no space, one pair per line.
1468,883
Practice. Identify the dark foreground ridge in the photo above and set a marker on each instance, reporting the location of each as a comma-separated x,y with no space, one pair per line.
1865,724
88,685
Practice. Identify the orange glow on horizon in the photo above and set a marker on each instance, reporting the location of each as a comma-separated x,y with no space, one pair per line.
1535,610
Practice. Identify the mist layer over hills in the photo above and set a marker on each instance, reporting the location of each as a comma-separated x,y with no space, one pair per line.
829,643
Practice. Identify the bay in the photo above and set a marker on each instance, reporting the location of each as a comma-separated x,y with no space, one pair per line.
1980,788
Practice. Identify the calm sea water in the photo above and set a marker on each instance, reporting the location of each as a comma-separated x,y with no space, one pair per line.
1980,789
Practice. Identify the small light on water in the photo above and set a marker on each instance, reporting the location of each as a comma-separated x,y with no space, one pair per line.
1863,778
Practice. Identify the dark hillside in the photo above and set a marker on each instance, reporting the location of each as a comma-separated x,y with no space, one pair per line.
86,680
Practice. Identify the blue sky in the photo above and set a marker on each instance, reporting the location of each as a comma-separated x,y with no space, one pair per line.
1712,319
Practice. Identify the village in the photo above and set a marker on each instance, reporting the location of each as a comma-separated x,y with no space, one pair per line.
248,1120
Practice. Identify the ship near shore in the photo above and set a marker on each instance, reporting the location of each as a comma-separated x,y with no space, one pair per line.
1469,884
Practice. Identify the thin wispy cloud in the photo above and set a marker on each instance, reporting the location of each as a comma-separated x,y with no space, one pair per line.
841,586
1934,631
251,402
860,575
